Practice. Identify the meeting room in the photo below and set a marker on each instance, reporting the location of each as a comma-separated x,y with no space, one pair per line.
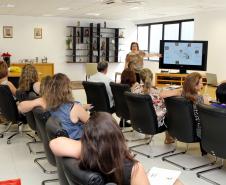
117,92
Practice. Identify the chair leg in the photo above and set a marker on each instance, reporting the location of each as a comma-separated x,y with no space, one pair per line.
123,126
6,129
10,137
199,174
133,148
30,149
49,181
165,158
18,132
42,167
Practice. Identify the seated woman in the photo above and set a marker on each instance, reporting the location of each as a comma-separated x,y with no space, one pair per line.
57,98
191,91
128,77
97,152
4,77
29,81
157,96
221,96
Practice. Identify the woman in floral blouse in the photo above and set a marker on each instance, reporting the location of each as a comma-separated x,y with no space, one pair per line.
157,96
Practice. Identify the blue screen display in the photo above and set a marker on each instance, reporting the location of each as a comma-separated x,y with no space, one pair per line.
180,53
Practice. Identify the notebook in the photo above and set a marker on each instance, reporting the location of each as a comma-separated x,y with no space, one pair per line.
157,176
211,79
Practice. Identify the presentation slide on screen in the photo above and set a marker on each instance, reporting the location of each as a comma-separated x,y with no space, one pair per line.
183,53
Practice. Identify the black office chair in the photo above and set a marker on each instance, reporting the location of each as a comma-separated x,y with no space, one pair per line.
76,176
8,109
121,108
213,134
144,119
54,129
96,94
181,125
23,96
41,118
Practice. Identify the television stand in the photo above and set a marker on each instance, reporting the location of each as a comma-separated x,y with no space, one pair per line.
172,79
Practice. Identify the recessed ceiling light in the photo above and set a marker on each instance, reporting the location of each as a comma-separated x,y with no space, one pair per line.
7,6
134,8
47,15
93,14
10,6
63,8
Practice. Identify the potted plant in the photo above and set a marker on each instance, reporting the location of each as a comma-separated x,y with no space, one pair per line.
6,57
68,42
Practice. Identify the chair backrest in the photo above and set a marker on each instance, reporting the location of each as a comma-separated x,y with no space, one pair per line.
22,96
41,118
53,130
96,94
8,106
180,119
76,176
121,108
213,126
142,113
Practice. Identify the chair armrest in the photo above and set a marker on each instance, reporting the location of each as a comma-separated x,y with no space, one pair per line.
75,175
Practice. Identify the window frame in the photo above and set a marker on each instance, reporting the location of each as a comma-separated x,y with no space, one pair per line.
163,30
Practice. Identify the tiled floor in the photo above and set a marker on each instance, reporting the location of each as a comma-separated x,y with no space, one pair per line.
17,162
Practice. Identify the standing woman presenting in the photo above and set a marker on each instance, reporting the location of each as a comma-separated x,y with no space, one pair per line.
137,56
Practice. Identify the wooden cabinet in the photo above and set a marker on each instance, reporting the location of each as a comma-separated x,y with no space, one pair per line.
43,69
93,44
172,79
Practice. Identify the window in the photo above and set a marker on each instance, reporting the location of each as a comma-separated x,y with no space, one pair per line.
142,34
149,35
187,30
171,32
155,37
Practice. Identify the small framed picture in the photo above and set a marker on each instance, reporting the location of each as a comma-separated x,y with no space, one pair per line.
7,32
38,33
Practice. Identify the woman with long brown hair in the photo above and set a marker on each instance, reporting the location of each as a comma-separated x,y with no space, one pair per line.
29,80
191,91
103,149
57,98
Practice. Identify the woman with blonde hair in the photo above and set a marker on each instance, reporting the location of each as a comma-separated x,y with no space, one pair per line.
29,80
4,77
157,96
57,98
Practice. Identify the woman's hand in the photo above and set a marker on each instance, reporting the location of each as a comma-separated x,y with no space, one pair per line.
87,106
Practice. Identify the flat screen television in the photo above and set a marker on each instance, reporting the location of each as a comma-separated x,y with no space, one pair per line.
183,55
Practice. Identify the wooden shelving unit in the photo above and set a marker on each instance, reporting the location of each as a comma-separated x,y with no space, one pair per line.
172,79
93,44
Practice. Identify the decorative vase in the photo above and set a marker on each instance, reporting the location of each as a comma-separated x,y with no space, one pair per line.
7,60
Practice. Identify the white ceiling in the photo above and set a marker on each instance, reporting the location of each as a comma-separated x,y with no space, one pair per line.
132,10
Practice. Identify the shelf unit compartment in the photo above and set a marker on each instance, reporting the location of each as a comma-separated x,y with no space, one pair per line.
95,42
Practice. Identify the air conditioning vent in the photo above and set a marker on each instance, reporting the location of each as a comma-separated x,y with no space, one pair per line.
109,2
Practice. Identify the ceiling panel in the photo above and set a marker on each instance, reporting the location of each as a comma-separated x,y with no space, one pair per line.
118,9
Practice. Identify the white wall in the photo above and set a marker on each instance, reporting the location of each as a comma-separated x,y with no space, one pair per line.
209,26
24,46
